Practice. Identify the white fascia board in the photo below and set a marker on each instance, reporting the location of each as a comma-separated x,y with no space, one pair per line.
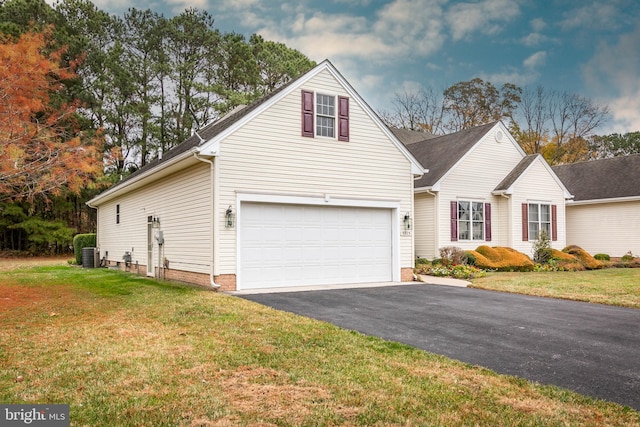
163,169
602,201
432,189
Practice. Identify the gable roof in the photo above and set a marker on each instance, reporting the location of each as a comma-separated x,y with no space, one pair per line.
515,173
505,186
441,153
205,141
604,179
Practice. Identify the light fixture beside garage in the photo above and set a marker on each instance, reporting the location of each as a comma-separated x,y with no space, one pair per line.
408,222
229,218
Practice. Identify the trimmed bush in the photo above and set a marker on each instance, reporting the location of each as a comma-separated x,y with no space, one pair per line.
562,256
589,262
628,257
81,241
602,257
501,258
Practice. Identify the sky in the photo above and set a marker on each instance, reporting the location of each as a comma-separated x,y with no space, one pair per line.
587,47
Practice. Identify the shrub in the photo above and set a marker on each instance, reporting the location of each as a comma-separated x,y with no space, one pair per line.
502,259
627,257
421,261
469,258
562,256
589,262
602,257
83,241
452,254
542,248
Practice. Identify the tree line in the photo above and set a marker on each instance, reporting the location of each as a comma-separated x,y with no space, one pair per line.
557,124
88,97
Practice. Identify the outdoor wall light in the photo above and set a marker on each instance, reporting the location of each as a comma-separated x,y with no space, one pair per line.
156,222
229,218
407,221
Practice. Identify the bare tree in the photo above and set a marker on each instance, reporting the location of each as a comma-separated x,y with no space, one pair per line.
420,111
534,112
573,119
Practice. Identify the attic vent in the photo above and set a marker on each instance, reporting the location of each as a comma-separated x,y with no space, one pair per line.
499,136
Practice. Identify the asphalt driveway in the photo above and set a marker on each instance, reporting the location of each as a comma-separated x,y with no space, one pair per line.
589,348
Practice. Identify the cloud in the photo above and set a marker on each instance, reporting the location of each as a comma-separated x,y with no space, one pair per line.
464,19
591,16
398,29
612,77
535,60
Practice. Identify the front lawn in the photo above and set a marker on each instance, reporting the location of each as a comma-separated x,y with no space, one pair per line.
124,350
614,286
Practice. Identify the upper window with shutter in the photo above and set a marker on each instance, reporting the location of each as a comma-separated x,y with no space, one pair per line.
325,115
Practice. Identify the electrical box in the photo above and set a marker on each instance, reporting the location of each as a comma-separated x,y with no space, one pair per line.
160,237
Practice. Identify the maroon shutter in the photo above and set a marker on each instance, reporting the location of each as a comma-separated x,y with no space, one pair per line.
554,222
454,221
487,222
307,113
525,222
343,118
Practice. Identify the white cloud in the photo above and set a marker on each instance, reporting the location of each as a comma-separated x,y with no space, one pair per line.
591,16
535,60
400,28
538,24
464,19
611,76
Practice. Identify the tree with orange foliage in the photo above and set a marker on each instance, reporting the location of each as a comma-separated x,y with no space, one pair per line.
42,148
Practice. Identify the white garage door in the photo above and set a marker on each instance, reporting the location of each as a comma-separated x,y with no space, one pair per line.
297,245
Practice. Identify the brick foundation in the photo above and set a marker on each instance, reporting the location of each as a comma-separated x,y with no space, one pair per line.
406,274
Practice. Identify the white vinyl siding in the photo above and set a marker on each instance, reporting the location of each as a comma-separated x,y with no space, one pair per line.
475,178
181,202
609,228
425,226
537,186
268,155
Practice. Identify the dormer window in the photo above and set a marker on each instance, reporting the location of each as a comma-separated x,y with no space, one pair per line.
319,116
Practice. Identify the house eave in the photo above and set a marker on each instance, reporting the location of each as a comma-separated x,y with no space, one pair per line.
601,201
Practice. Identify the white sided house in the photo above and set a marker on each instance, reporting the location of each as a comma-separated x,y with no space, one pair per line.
482,189
604,216
303,187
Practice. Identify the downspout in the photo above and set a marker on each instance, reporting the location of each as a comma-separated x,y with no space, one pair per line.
214,174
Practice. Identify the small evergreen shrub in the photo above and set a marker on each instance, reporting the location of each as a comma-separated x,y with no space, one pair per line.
469,258
628,257
542,248
589,262
602,257
81,241
501,258
421,261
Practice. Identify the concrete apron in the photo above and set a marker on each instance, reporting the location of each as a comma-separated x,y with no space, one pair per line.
422,279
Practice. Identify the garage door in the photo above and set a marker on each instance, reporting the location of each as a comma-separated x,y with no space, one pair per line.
296,245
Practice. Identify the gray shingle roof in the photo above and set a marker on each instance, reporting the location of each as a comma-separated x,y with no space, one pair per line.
515,173
441,153
602,179
407,136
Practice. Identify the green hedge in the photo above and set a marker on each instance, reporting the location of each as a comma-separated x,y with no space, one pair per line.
83,241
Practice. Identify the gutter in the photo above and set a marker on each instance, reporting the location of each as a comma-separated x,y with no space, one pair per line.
214,174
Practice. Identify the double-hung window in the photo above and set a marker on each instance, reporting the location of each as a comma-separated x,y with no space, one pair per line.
539,220
470,220
538,217
326,115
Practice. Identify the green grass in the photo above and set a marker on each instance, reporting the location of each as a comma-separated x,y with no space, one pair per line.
613,286
128,351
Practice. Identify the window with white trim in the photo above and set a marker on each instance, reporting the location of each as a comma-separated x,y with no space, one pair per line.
539,215
325,115
470,220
